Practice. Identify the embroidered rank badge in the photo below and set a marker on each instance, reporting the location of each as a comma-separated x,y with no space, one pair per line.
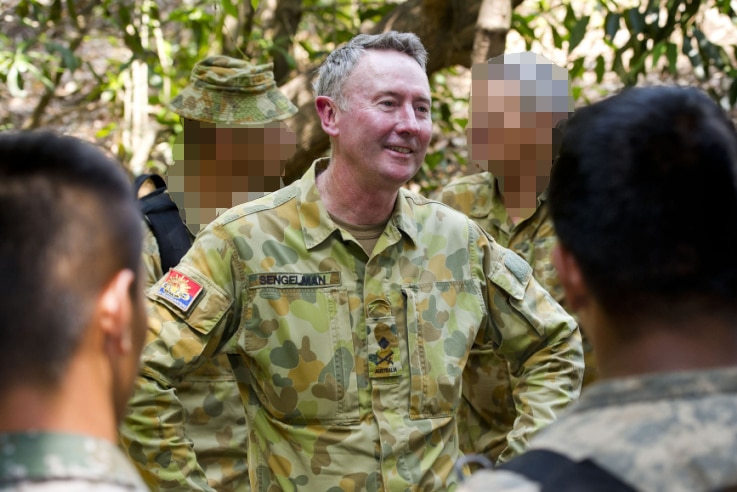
384,355
179,290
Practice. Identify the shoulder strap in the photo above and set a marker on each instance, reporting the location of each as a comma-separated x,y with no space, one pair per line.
162,215
556,472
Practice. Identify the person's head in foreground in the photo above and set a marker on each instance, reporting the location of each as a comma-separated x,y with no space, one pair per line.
235,141
71,302
638,175
517,101
644,201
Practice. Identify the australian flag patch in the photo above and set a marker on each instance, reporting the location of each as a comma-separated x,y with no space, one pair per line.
179,290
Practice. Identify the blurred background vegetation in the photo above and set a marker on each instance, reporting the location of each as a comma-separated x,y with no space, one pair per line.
105,70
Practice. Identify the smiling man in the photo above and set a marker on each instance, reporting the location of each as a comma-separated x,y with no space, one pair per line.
350,304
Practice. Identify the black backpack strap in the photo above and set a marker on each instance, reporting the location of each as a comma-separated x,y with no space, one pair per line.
162,215
558,473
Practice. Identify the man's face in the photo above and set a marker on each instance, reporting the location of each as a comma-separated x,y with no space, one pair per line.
219,167
385,128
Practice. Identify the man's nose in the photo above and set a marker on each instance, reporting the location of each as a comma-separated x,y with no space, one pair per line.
408,122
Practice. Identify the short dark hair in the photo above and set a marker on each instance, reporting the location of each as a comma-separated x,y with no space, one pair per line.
644,195
68,223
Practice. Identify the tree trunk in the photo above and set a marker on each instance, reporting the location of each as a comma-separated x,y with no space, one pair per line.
447,28
287,16
492,26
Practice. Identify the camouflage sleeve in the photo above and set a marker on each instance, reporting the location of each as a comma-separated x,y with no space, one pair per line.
190,318
540,342
151,258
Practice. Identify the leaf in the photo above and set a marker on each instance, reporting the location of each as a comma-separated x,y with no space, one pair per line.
577,68
522,25
600,68
611,25
15,82
461,122
694,56
636,21
375,13
570,19
576,92
578,32
557,39
432,160
672,54
69,59
658,51
230,9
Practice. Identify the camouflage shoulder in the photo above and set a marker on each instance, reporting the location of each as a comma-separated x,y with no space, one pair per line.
468,183
267,202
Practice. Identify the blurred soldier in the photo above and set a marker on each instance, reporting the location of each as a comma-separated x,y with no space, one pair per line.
519,102
659,303
351,303
234,147
73,315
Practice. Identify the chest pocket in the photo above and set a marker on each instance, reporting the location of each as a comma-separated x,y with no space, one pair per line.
300,349
443,319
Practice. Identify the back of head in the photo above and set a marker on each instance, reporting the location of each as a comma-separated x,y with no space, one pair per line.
644,195
68,223
340,63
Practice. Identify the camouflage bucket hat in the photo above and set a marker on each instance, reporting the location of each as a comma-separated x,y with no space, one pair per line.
232,92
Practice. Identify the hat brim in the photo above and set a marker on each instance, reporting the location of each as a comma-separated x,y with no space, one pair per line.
232,107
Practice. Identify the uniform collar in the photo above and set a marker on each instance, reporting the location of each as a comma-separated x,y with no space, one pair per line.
317,225
37,455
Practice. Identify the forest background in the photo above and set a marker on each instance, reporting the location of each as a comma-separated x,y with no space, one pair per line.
105,70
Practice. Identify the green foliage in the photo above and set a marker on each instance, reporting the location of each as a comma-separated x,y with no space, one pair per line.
642,37
46,46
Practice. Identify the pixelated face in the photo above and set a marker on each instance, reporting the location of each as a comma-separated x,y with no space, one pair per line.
386,126
218,167
514,108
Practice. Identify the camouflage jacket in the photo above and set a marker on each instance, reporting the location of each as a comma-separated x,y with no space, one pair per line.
670,432
214,419
56,462
350,366
484,427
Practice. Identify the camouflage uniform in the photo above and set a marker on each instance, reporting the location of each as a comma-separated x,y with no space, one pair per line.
214,418
671,432
350,366
56,462
484,427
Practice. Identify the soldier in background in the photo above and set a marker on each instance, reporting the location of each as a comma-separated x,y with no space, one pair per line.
350,303
658,302
73,315
518,106
233,150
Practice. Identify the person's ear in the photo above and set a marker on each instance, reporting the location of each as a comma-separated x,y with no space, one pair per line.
327,110
114,311
571,279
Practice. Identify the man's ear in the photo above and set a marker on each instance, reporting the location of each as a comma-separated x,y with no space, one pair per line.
114,311
569,273
327,111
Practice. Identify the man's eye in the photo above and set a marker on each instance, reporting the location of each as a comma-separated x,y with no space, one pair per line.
423,109
388,104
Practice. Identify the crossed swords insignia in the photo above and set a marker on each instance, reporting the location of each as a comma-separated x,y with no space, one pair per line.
389,358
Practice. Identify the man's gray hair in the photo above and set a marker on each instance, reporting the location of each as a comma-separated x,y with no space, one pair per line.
340,63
